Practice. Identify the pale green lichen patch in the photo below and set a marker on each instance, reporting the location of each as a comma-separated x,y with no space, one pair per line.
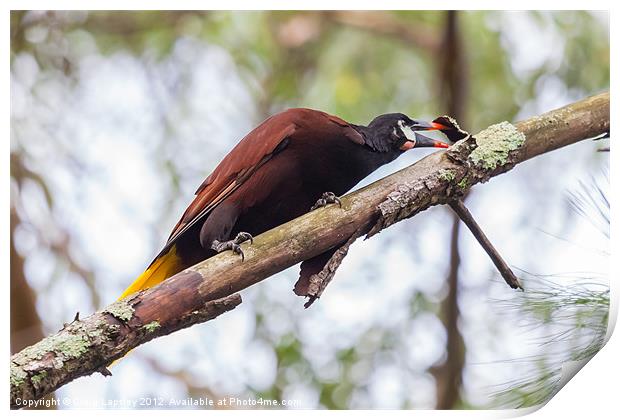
64,346
38,377
463,183
18,375
95,333
151,326
120,310
494,145
71,346
447,175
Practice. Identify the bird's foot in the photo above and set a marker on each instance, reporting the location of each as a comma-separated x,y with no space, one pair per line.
233,244
326,198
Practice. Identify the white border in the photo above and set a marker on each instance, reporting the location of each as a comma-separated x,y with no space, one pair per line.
594,390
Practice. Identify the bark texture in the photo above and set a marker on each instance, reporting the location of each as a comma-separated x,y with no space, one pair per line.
207,289
86,346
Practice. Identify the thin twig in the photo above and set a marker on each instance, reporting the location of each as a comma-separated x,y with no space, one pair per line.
503,268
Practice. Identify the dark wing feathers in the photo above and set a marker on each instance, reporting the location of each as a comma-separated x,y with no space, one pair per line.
251,152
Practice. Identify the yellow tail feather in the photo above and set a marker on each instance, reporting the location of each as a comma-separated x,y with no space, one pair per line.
162,268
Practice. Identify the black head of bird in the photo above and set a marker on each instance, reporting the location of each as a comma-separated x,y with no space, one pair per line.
395,133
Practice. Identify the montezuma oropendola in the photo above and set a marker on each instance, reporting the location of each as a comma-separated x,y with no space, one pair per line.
275,174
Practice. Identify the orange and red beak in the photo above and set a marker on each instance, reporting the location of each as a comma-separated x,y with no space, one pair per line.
423,141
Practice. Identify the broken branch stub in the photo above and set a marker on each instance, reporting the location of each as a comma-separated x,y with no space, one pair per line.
319,281
453,131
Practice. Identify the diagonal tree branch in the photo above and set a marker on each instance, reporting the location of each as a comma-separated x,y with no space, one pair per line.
208,289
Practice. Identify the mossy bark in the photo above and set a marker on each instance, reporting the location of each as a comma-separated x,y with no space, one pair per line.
89,345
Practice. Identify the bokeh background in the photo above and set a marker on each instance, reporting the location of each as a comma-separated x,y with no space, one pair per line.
116,118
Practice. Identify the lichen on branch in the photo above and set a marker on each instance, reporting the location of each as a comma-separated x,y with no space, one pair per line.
494,145
86,346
